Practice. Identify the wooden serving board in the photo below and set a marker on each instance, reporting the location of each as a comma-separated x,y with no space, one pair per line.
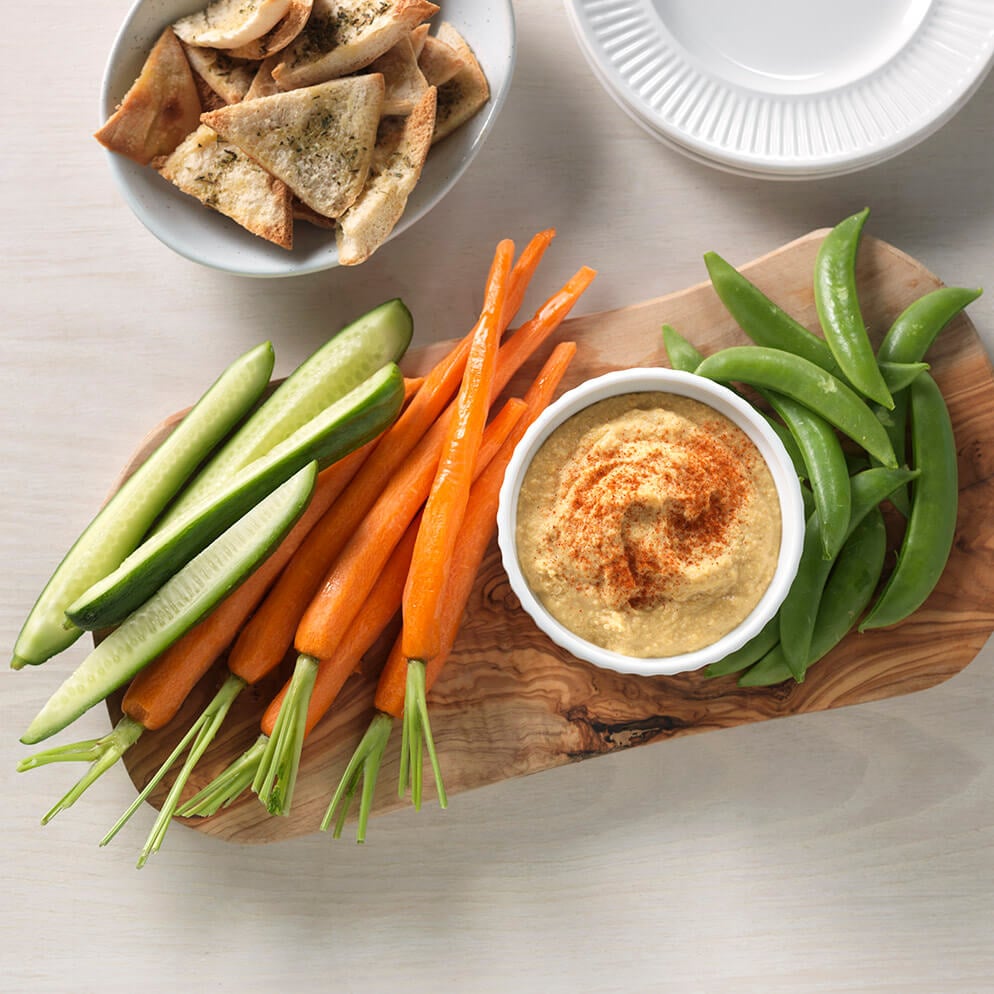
511,703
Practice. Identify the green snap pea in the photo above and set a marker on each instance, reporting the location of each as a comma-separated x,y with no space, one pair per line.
908,340
825,465
848,590
791,446
900,375
809,385
799,610
684,356
681,353
837,303
931,527
895,423
917,326
755,649
762,320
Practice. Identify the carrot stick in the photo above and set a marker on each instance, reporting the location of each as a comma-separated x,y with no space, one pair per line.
377,612
320,626
474,539
159,690
269,634
270,766
314,684
450,491
384,600
416,732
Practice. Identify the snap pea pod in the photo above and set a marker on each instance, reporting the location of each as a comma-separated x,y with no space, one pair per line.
907,341
808,384
685,357
681,353
916,327
848,590
900,375
928,538
767,324
895,423
825,465
799,610
790,445
837,303
754,650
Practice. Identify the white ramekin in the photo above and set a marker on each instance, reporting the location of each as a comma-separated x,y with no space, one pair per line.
725,402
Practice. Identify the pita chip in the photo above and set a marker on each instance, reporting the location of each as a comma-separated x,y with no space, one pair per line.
161,108
401,149
343,36
223,177
463,95
438,61
318,139
228,77
231,23
276,40
404,82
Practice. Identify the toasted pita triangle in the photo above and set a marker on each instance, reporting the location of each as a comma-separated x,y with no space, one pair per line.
463,95
223,177
418,36
231,23
161,108
263,84
438,61
228,77
405,83
318,140
281,35
343,36
401,149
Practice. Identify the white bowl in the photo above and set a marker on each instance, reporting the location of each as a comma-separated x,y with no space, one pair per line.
725,402
209,238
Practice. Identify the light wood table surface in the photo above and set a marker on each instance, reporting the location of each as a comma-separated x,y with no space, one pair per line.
844,851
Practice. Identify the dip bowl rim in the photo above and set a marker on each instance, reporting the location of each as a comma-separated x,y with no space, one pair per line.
723,400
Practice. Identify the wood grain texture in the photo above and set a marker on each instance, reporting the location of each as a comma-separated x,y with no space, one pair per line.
511,703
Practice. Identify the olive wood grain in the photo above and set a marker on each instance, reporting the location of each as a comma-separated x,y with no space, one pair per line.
511,703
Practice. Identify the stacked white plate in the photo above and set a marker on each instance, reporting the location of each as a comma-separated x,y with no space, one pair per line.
788,89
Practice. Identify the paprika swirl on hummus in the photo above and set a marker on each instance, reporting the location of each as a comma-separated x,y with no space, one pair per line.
648,524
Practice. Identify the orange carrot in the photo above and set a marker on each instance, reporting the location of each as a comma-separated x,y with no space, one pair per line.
450,490
159,690
474,538
377,612
305,698
382,604
395,680
340,598
269,634
511,357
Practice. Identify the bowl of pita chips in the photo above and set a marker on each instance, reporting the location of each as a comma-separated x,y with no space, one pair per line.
281,137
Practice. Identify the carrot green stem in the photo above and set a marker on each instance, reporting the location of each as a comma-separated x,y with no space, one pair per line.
365,766
101,753
227,786
416,736
200,734
277,773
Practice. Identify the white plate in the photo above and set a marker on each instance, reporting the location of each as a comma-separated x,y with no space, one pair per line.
788,88
213,240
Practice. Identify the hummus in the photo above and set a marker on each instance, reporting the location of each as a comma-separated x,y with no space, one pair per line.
648,524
